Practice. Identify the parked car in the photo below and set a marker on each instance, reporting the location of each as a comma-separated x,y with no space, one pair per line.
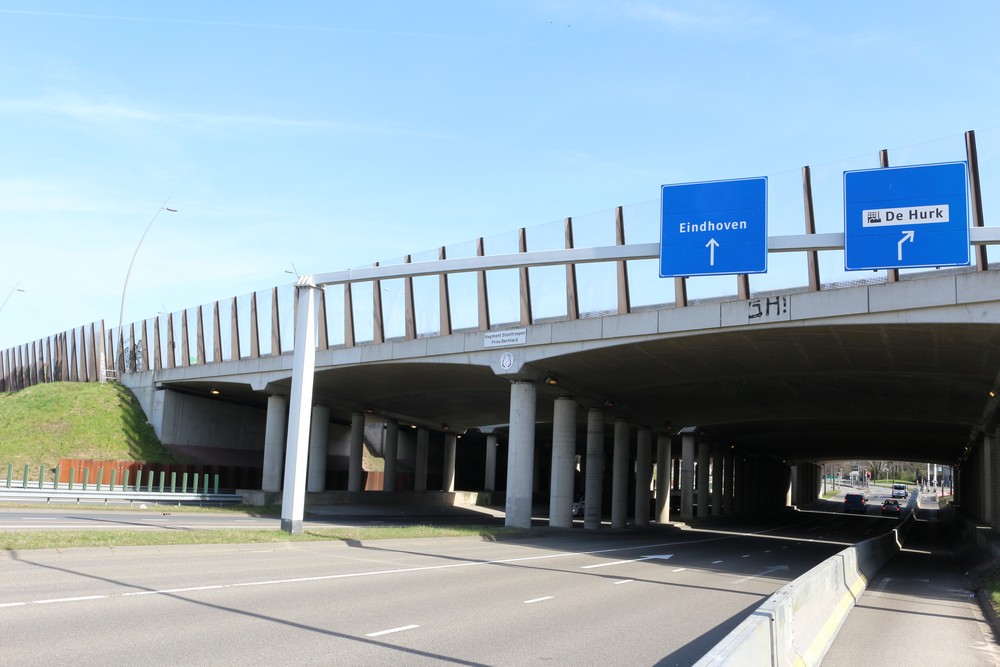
891,508
855,502
899,491
578,507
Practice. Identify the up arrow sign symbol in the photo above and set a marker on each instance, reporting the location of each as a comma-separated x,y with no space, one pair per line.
712,245
907,236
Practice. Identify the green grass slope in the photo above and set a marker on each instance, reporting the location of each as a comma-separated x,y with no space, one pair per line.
85,420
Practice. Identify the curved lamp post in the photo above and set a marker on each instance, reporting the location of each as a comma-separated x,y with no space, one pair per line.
121,310
15,288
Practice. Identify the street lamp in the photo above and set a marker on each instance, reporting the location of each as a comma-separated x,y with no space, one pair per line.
121,311
15,288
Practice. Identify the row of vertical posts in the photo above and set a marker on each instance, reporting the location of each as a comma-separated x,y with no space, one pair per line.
150,486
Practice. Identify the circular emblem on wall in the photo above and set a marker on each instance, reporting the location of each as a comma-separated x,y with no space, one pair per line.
506,360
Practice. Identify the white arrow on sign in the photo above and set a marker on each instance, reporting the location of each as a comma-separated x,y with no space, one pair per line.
907,236
711,245
623,562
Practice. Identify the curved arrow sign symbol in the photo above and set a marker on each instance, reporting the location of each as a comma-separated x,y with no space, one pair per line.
711,245
907,236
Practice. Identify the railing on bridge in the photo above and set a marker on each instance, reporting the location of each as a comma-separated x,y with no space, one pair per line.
574,268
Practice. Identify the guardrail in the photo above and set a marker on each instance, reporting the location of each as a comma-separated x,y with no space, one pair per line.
108,497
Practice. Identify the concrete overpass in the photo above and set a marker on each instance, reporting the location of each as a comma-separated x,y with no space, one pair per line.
752,388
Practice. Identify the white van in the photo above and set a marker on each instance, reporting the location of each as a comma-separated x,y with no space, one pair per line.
899,491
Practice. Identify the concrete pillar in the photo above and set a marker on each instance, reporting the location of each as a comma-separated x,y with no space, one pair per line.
728,478
318,435
390,451
702,485
643,475
619,475
520,454
563,463
490,483
594,483
663,470
420,464
275,430
356,450
990,466
687,476
793,487
717,468
450,442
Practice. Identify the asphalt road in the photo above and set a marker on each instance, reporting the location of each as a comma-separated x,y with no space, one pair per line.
662,596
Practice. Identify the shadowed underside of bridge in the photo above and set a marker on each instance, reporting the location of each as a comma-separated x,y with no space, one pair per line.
903,391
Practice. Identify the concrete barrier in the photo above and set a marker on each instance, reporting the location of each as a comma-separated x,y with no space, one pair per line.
797,625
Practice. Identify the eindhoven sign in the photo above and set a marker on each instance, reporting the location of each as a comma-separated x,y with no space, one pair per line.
906,217
713,228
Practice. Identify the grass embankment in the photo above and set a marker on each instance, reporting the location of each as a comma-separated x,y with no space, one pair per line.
81,420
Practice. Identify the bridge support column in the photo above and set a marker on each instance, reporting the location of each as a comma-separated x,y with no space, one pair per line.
490,483
274,442
643,476
450,441
357,445
793,486
594,485
717,469
563,459
318,436
687,476
728,477
390,451
420,464
663,470
520,454
703,470
620,475
992,492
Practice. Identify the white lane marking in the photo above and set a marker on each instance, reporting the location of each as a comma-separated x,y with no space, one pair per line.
77,599
174,590
745,556
401,628
13,604
762,573
533,601
624,562
680,569
716,562
624,581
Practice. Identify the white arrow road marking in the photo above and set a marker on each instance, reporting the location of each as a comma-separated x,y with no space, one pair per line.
907,236
763,573
711,245
623,562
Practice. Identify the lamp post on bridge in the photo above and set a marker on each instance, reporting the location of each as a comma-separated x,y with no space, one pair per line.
121,310
15,288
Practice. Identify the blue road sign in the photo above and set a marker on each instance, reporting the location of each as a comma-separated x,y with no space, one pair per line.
713,228
906,217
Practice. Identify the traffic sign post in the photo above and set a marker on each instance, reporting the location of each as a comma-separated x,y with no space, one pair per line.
713,228
906,217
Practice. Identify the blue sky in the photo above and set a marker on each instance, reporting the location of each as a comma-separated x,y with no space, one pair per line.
330,135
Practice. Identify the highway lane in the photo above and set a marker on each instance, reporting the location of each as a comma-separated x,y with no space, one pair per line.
662,596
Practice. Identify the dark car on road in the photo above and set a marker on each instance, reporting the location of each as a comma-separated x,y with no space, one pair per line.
891,508
855,502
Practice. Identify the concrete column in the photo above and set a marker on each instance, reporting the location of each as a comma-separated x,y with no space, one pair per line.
520,454
594,484
619,475
663,470
275,430
563,460
793,488
357,445
687,476
390,451
318,435
991,463
703,470
643,475
450,441
490,483
717,468
420,464
728,477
